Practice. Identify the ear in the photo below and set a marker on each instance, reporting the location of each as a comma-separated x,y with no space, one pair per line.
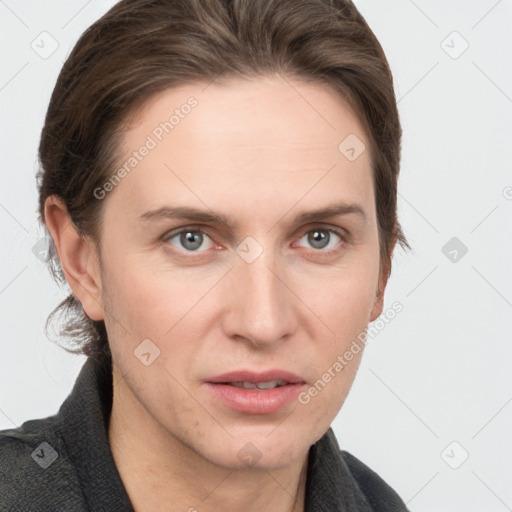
378,305
77,256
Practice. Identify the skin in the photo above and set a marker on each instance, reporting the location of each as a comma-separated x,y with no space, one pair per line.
258,151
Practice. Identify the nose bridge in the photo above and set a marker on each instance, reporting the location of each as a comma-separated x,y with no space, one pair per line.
261,302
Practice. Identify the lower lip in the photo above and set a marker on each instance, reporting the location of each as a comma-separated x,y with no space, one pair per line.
252,401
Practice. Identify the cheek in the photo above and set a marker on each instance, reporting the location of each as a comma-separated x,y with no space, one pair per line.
148,297
324,398
164,306
344,301
344,305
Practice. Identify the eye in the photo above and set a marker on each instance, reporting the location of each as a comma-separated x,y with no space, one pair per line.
320,238
190,239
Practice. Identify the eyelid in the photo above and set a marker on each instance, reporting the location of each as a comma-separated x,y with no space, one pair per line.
343,233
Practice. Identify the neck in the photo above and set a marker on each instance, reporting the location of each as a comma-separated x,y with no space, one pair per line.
157,470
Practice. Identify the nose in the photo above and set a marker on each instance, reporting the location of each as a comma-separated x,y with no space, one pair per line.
262,306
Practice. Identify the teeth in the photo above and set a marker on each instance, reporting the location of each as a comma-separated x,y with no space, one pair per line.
259,385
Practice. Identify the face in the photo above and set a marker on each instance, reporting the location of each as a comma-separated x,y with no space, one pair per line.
253,282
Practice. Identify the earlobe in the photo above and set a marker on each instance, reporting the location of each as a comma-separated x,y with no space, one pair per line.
378,306
77,257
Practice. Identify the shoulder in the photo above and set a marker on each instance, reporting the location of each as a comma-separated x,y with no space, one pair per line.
35,469
379,494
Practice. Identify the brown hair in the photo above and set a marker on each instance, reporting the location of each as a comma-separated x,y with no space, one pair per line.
142,47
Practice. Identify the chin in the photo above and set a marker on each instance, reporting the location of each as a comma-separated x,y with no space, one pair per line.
257,451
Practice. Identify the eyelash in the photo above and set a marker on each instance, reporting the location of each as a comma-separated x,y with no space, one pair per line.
344,236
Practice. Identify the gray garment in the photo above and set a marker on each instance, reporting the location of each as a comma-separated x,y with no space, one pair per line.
63,463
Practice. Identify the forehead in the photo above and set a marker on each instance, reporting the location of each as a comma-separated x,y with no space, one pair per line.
247,136
277,109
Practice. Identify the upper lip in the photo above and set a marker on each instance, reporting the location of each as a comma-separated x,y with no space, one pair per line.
255,377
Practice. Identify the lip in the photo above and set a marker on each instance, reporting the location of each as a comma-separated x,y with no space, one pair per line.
251,401
254,377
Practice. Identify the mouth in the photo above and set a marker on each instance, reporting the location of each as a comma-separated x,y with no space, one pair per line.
271,384
263,380
256,393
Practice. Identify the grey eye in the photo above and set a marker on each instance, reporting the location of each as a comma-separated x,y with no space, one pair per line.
190,240
320,238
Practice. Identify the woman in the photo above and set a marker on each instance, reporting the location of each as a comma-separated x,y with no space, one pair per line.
219,181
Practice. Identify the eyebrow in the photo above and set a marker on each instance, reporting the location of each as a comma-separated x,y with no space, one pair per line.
183,212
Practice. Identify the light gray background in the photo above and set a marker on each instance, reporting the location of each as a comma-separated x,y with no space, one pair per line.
440,371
